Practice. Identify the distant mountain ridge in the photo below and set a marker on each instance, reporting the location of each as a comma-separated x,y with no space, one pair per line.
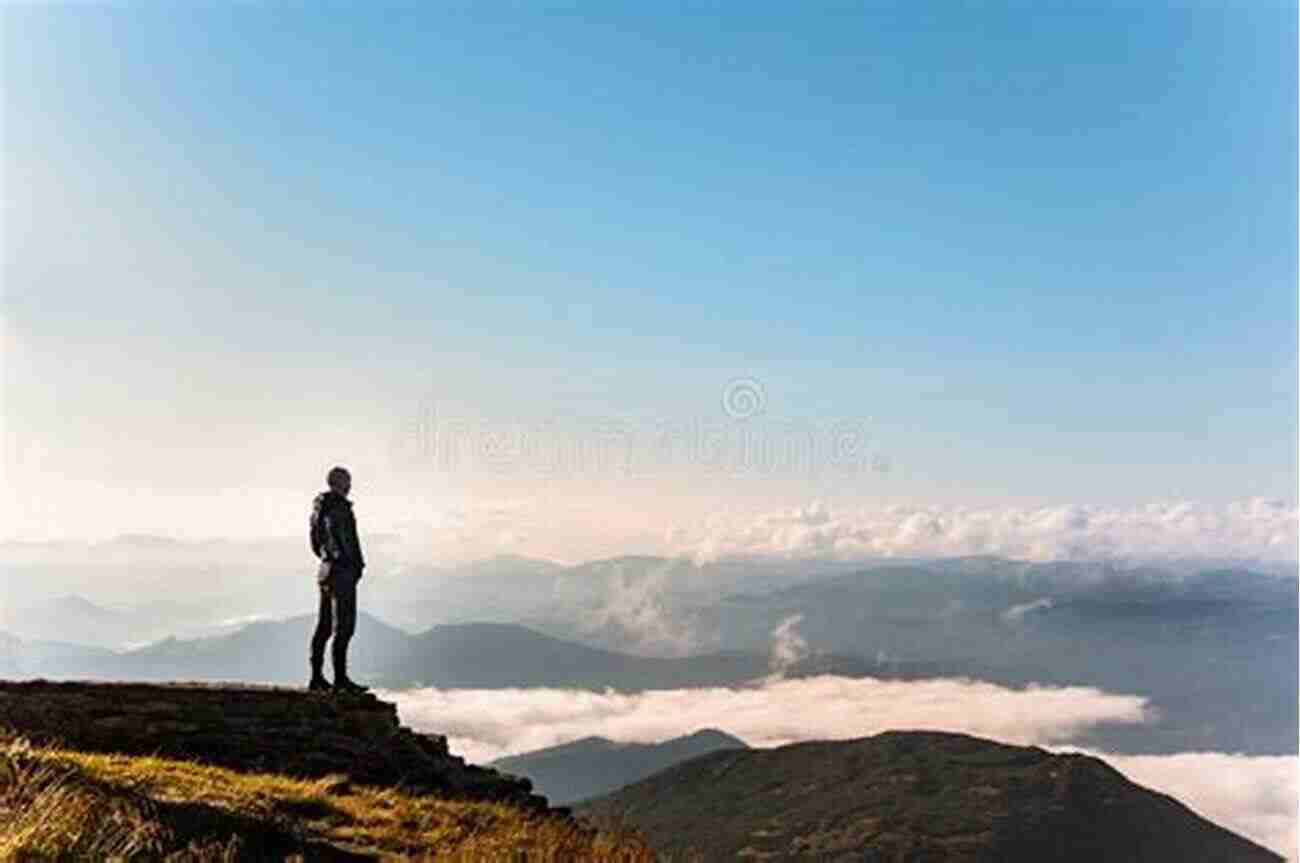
634,603
914,795
597,765
1214,648
470,655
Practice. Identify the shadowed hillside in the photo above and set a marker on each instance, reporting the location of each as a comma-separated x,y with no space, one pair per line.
915,795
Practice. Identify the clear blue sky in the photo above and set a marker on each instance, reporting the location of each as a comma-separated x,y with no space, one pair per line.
1051,251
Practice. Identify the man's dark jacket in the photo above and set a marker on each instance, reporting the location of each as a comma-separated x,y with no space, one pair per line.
334,531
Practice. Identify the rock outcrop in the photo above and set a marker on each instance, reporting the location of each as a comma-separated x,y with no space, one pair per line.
253,728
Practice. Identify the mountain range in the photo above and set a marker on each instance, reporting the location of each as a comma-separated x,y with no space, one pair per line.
471,655
1214,650
1212,647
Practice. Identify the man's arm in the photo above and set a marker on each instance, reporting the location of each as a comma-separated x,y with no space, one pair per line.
342,543
356,543
350,541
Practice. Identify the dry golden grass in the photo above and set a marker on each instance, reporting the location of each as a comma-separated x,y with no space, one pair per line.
60,804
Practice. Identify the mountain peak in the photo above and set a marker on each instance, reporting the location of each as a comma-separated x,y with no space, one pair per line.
717,737
75,602
914,794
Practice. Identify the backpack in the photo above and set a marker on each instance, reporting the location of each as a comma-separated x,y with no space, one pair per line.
316,533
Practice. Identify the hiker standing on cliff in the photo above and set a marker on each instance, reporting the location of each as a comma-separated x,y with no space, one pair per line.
334,540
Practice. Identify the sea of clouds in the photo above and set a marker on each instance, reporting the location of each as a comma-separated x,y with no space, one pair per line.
1257,529
489,723
1254,796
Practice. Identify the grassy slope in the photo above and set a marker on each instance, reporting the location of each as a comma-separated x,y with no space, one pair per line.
64,804
915,795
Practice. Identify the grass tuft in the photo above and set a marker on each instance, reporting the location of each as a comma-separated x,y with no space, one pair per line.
64,804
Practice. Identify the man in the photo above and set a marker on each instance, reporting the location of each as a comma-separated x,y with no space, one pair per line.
334,541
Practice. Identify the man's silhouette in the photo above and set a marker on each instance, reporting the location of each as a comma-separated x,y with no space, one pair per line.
334,540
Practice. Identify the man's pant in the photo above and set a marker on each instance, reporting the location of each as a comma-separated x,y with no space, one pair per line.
337,616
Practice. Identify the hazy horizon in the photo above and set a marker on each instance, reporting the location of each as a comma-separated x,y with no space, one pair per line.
1259,533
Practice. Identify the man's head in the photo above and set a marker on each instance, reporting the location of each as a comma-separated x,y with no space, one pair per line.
339,480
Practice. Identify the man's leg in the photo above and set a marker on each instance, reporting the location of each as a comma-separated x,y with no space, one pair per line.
345,609
324,626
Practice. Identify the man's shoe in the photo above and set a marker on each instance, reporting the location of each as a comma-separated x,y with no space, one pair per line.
349,687
318,684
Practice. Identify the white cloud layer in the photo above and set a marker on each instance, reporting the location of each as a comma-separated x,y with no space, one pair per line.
490,723
1254,796
1256,529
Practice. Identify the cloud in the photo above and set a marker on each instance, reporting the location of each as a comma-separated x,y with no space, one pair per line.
486,724
1016,613
1255,796
636,605
1256,529
788,646
242,620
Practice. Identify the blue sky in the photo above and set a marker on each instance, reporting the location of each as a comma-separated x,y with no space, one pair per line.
1050,252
